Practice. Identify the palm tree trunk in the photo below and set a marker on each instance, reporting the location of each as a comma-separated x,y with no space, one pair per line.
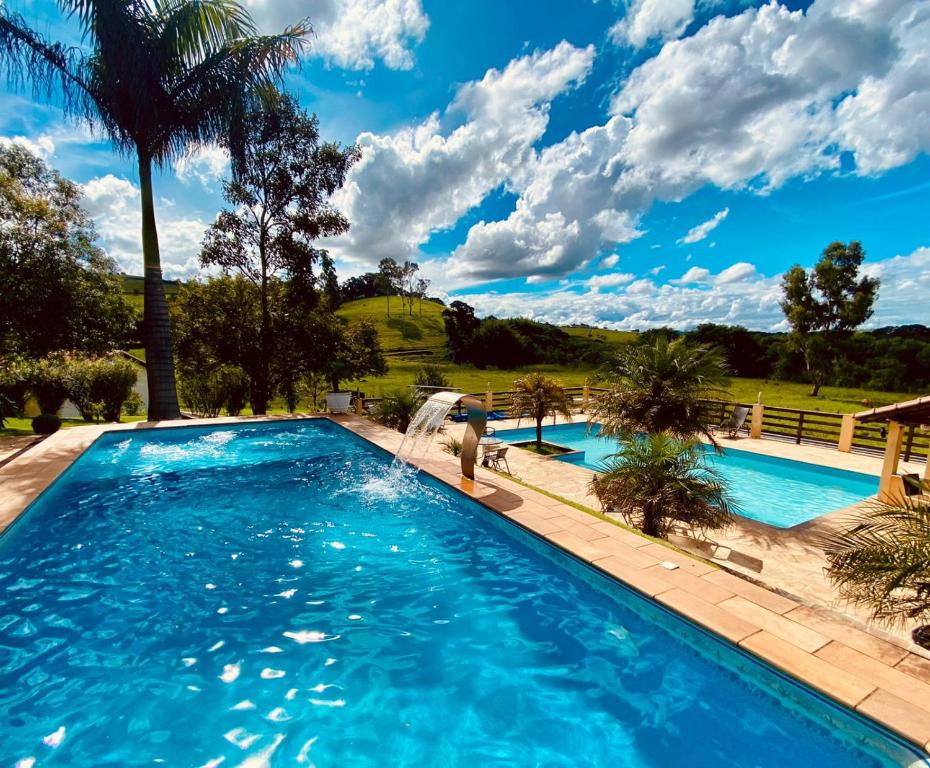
159,356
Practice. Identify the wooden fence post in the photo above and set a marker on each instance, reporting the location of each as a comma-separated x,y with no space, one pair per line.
755,429
847,431
360,406
489,401
585,397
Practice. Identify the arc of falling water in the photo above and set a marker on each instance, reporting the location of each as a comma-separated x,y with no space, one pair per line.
431,416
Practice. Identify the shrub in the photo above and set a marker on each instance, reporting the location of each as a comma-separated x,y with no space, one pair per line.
202,394
100,386
235,383
14,385
46,424
452,445
431,376
397,409
112,383
48,383
133,404
205,394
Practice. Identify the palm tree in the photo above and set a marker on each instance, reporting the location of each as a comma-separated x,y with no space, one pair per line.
658,388
881,560
540,396
158,76
657,480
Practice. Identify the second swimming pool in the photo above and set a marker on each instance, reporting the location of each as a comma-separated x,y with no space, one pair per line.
775,491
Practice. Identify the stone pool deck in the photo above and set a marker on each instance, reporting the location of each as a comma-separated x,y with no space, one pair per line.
880,678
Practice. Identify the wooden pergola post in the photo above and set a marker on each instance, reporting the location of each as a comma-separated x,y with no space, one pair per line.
891,487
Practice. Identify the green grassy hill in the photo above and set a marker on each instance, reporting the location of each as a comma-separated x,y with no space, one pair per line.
614,338
401,332
134,289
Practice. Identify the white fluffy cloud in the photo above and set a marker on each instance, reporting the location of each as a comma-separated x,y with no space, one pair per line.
206,165
758,98
115,205
423,179
610,280
646,20
352,34
702,230
737,295
42,146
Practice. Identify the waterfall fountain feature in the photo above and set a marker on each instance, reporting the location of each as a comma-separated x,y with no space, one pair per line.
431,416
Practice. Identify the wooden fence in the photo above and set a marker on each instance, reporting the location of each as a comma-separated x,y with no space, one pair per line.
799,426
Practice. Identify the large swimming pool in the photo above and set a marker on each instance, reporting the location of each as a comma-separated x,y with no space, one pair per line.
271,594
775,491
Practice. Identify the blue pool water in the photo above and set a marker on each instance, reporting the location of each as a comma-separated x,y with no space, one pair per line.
245,596
779,492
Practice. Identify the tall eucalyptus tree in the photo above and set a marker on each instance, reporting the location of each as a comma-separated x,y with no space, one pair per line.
159,77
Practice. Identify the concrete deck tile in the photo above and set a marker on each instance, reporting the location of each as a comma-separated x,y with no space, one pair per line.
797,634
643,580
880,675
901,716
534,523
621,534
760,595
681,559
633,556
873,646
915,666
687,581
708,615
586,550
816,672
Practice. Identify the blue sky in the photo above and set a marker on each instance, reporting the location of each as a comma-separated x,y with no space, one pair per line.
621,164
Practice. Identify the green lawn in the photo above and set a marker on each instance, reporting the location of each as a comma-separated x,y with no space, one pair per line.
614,338
19,427
134,289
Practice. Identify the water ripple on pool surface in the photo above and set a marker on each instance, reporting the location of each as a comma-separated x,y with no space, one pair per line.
254,605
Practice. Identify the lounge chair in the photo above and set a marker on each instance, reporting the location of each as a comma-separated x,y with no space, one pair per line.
734,423
497,457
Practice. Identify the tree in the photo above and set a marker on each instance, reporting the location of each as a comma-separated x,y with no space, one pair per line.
158,77
881,560
391,274
657,388
540,396
461,325
657,480
280,205
217,323
420,288
343,352
58,290
825,305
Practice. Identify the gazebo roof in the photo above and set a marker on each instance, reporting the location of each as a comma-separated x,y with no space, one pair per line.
909,412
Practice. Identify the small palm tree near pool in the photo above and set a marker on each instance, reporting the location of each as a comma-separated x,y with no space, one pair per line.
539,396
658,388
881,560
656,481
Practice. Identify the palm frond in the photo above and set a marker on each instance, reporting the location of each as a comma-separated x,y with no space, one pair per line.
47,67
880,558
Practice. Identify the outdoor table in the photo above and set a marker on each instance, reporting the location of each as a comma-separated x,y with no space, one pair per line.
488,443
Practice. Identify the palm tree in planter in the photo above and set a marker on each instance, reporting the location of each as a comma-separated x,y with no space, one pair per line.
881,560
656,481
540,396
658,388
159,77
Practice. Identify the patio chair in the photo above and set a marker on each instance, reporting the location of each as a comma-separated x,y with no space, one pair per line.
498,457
734,423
